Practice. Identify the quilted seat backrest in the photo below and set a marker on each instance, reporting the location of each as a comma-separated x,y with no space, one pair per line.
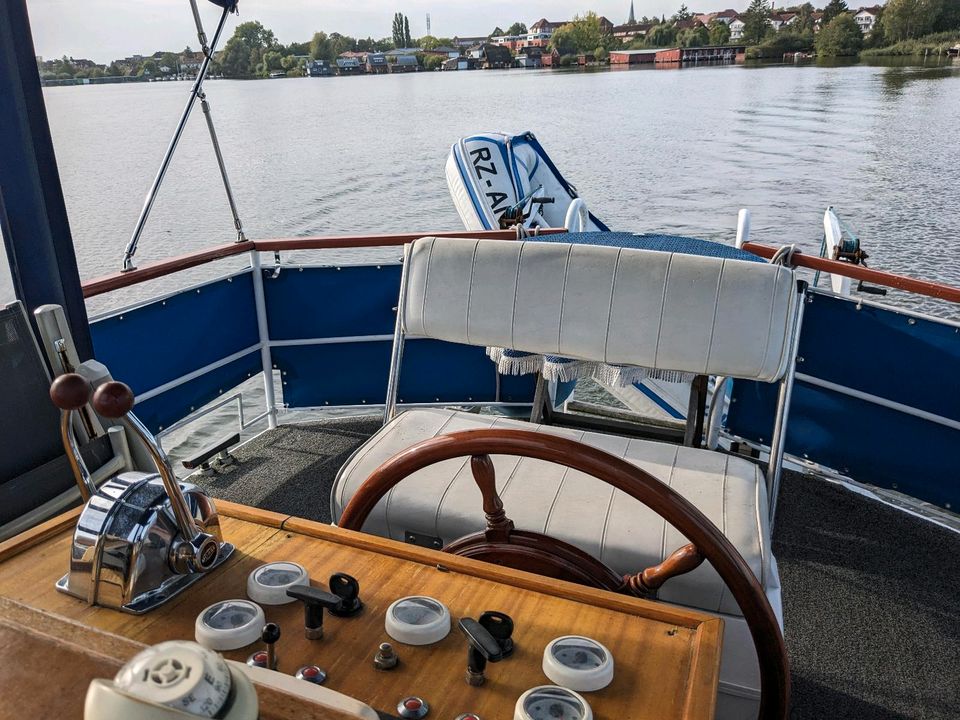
667,311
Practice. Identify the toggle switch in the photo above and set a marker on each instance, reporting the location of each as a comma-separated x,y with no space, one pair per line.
314,601
266,658
482,647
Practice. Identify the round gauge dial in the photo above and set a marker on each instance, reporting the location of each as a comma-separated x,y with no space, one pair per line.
417,620
180,675
578,663
549,702
268,584
229,625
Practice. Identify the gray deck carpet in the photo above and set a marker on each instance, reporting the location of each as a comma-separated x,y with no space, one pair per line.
871,595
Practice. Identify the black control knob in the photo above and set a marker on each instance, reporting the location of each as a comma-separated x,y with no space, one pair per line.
482,647
347,588
500,625
266,658
314,601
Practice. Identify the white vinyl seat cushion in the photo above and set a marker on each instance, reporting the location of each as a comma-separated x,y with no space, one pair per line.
443,500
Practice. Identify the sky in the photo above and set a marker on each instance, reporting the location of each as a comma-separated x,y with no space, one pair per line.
103,30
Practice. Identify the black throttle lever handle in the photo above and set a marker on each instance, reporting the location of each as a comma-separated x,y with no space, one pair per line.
314,601
482,647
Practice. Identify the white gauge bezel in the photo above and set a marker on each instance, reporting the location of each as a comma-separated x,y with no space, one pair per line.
231,638
519,713
275,594
589,680
428,634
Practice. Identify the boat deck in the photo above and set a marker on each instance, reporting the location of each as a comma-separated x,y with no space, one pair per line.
870,593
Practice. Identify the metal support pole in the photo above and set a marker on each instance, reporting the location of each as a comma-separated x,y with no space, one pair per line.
205,106
266,360
195,93
396,356
779,439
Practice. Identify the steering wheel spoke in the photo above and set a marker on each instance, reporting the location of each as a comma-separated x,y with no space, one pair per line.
679,562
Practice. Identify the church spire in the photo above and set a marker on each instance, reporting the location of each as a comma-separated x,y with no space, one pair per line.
631,20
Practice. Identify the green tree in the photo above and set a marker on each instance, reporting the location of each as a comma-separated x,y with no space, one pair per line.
320,47
661,35
755,22
433,62
694,37
518,28
682,14
398,34
169,60
244,51
804,21
949,16
832,10
428,42
582,35
497,31
149,67
840,37
719,32
907,19
114,70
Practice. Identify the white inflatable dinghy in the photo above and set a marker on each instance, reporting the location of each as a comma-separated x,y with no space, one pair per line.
495,177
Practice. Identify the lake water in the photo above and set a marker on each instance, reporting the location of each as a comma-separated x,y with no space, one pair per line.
650,150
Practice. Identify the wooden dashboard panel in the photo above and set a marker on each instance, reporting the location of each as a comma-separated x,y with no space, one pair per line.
667,658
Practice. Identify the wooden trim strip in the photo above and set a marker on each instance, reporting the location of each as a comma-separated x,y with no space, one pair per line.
38,534
859,272
661,612
702,700
108,283
268,518
383,240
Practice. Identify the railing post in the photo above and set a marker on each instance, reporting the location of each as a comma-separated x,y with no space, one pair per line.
779,440
263,330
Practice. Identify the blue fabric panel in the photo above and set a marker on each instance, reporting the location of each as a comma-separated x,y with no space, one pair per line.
356,373
877,351
899,357
327,302
165,409
652,241
868,442
167,339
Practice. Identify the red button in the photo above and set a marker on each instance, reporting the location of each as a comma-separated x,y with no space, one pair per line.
260,656
310,672
412,704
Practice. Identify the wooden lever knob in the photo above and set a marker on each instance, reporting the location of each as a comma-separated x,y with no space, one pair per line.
113,399
70,392
681,561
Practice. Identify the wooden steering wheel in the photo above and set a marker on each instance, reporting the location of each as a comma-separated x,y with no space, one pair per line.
534,552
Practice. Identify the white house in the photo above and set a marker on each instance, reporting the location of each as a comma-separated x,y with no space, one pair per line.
736,28
866,18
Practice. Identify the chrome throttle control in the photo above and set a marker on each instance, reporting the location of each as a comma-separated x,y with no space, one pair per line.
155,535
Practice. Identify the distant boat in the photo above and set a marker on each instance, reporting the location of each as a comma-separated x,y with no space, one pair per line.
278,74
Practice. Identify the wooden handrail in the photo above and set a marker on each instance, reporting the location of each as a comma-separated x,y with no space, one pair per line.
859,272
115,281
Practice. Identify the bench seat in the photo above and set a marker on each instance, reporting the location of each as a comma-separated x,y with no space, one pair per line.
442,501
